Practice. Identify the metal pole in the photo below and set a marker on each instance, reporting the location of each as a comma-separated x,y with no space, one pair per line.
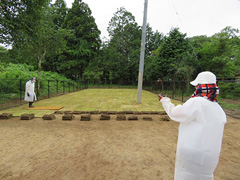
141,65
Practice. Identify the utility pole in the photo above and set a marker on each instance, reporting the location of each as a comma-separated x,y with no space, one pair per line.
141,65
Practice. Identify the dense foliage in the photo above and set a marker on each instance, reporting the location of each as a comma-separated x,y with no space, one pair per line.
13,78
25,72
51,37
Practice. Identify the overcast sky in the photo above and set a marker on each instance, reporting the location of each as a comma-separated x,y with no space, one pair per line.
194,17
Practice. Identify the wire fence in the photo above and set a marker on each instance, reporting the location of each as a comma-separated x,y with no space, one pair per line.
179,90
12,91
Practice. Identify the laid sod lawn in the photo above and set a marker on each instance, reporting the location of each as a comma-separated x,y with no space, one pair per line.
95,99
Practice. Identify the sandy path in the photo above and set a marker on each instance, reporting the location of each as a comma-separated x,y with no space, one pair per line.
106,150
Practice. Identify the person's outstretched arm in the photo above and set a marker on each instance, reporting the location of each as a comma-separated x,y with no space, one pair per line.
179,113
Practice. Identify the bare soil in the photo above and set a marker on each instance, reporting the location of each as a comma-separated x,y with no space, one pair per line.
101,150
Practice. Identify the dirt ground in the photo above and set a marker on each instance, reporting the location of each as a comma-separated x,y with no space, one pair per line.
101,150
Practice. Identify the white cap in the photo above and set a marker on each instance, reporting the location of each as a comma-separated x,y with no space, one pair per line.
205,77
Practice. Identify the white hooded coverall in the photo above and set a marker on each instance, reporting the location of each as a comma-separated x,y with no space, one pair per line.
30,89
199,137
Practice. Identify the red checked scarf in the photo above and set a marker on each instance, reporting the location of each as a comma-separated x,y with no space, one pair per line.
210,91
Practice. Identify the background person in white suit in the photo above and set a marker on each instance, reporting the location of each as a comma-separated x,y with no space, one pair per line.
30,95
201,128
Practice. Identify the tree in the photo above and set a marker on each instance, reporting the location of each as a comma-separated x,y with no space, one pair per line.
219,53
42,40
167,58
19,19
59,12
125,41
9,14
84,41
196,43
153,42
48,41
27,25
4,54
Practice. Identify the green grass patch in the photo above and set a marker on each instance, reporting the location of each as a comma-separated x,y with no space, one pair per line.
96,99
230,106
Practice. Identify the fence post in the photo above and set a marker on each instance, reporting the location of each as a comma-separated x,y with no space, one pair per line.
69,86
182,94
48,88
63,88
57,87
20,91
174,89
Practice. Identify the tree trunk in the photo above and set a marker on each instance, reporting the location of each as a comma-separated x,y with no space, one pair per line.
40,58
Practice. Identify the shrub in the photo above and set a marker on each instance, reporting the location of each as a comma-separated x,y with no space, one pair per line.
229,90
11,74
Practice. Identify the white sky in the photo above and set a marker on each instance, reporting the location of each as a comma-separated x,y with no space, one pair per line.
194,17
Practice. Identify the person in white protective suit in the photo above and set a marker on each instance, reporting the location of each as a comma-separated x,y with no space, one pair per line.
201,128
30,95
